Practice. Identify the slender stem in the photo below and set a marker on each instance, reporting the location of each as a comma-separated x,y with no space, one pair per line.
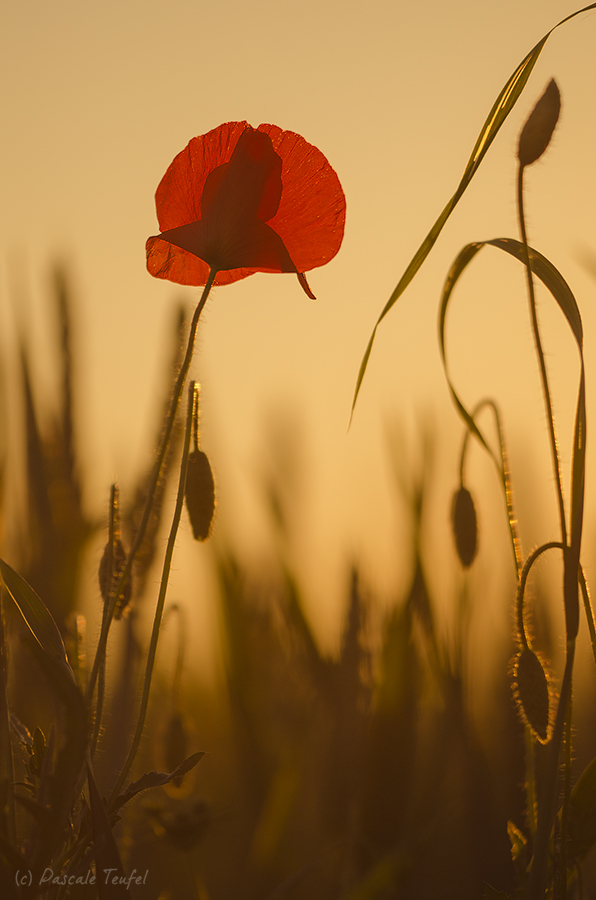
541,362
165,440
162,597
547,807
504,474
522,633
566,798
530,780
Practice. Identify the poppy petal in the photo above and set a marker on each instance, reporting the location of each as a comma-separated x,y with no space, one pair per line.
254,246
218,193
312,212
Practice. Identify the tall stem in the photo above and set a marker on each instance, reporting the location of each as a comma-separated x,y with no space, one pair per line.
162,596
541,362
155,476
547,807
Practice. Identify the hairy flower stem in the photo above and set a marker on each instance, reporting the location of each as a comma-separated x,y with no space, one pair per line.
162,596
547,807
109,608
541,362
504,475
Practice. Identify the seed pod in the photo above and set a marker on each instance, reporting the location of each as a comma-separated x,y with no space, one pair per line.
200,494
539,127
465,526
110,568
531,693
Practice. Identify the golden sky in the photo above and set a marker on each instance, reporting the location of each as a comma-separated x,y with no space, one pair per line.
97,99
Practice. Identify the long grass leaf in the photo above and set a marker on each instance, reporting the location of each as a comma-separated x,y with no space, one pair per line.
36,615
552,279
111,880
562,293
464,258
502,106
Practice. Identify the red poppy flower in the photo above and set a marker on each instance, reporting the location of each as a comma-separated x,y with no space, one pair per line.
242,200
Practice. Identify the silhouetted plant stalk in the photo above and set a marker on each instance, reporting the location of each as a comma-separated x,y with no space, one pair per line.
119,587
530,680
191,416
534,140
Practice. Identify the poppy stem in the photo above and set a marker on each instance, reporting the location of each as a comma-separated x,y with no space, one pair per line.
157,620
109,607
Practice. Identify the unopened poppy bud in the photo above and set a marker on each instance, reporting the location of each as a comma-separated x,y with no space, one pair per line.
200,494
531,693
539,127
465,527
110,569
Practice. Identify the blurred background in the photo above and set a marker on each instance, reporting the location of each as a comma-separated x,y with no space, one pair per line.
96,102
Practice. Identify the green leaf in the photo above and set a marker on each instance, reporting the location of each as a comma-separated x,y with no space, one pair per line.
36,615
157,779
558,287
111,881
581,823
552,279
560,290
502,106
464,258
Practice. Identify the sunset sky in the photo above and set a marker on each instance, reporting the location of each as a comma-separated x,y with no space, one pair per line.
96,101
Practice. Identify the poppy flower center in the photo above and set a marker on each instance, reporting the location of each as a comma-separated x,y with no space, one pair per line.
238,198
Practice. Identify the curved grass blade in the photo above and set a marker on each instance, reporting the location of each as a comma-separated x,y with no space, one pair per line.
553,281
502,106
36,615
560,290
465,257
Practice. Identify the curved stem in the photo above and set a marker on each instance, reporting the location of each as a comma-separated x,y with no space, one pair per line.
165,440
521,587
503,470
161,598
541,362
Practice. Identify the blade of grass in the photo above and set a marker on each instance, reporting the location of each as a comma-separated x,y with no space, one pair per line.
502,106
111,880
552,280
36,615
